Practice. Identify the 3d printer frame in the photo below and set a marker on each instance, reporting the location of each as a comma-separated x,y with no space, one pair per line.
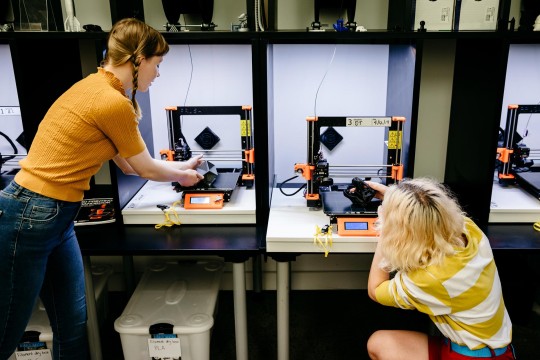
179,150
316,170
512,156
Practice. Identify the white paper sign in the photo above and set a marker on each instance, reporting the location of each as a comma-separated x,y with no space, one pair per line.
42,354
10,111
165,348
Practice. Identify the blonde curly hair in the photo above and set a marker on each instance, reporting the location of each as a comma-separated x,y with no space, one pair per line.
420,222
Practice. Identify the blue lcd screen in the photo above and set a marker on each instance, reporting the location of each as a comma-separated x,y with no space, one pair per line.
356,226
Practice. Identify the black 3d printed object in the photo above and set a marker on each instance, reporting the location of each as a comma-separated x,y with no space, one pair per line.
207,139
359,192
331,138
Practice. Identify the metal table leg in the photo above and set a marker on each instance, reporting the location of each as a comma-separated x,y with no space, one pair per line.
94,340
283,309
240,310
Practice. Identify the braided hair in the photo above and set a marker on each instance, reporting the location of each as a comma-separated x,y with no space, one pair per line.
131,40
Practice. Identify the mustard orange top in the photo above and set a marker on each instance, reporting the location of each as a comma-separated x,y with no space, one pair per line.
89,124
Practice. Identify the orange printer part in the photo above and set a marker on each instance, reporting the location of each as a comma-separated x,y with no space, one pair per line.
397,172
250,156
504,154
506,176
305,169
167,155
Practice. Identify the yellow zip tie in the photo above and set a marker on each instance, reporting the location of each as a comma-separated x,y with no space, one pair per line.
326,242
168,221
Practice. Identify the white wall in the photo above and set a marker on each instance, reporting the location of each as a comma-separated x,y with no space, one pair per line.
434,108
10,123
522,87
202,75
327,80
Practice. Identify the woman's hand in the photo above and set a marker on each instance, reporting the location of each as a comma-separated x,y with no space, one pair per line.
194,162
378,187
190,177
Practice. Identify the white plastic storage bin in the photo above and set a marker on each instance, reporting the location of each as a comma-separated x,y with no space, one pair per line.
38,334
171,312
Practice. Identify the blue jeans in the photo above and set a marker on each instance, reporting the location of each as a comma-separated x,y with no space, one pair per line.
40,256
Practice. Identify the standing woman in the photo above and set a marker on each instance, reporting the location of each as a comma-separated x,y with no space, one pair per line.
96,120
444,267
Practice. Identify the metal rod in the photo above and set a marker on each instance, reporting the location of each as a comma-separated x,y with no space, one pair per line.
221,150
353,166
365,175
223,159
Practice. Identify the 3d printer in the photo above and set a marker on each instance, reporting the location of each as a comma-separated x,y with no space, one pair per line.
514,162
219,183
351,207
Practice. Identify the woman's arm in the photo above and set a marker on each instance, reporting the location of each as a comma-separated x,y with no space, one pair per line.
378,187
376,275
123,165
149,168
192,163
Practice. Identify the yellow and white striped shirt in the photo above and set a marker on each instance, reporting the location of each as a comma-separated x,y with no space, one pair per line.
462,295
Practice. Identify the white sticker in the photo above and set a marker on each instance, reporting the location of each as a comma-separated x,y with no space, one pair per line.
10,110
445,14
43,354
490,14
367,121
165,348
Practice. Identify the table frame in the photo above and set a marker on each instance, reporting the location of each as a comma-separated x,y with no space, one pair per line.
235,244
289,237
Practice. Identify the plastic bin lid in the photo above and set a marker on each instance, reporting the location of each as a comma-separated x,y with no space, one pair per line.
182,294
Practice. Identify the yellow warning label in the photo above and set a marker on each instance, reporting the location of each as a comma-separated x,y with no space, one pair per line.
245,128
394,139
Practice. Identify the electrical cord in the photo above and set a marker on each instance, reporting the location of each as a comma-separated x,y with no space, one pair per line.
322,80
5,159
323,238
167,211
191,72
526,130
190,77
286,181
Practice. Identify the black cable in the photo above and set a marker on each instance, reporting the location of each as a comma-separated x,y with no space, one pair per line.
3,160
286,181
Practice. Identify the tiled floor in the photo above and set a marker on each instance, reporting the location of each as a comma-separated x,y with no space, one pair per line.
330,325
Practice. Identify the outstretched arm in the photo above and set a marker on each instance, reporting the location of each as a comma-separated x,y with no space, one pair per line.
149,168
376,275
378,187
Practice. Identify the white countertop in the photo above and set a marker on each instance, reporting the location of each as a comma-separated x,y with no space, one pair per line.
513,204
292,226
142,209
